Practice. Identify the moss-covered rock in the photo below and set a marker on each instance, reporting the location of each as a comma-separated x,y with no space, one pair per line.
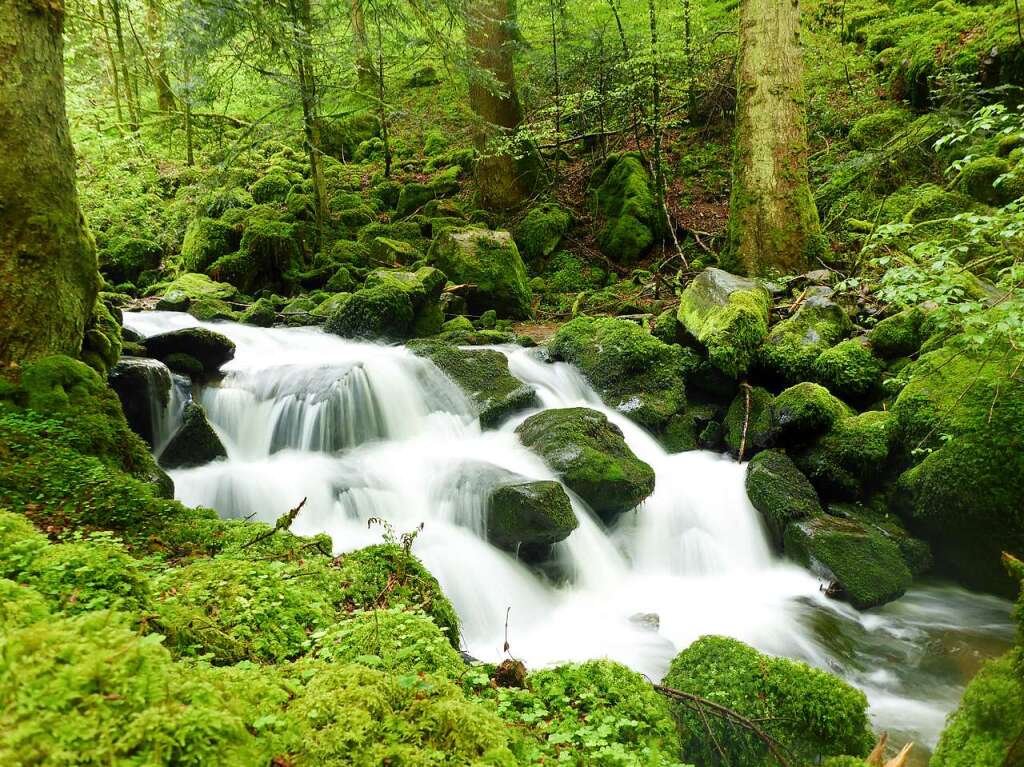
852,456
633,371
862,564
267,251
140,384
126,258
961,419
412,198
849,369
977,179
102,343
340,138
261,313
626,201
874,513
211,349
728,315
206,240
272,188
777,489
484,376
490,263
899,335
592,457
811,713
195,442
568,273
177,295
750,425
532,512
872,131
806,410
793,345
541,230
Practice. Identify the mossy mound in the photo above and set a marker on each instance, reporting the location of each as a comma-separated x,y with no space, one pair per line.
268,250
534,512
849,369
750,425
541,230
20,544
872,131
867,567
806,410
592,457
392,305
978,180
634,372
899,335
206,240
777,489
126,258
792,346
568,273
728,315
852,456
811,713
177,295
484,376
961,419
261,314
490,262
626,201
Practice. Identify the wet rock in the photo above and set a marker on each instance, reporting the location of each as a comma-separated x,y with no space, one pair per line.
488,261
780,492
592,457
211,349
142,385
793,345
194,444
532,512
750,424
650,621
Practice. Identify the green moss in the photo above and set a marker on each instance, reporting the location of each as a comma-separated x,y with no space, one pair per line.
20,605
484,377
206,240
261,314
232,198
591,456
383,312
811,713
568,273
125,258
983,730
728,315
385,576
793,345
272,188
393,640
849,369
872,131
531,512
491,263
807,409
541,231
268,249
777,489
852,456
20,544
759,419
961,418
977,179
211,309
626,201
102,343
341,138
932,203
633,371
413,196
898,335
177,295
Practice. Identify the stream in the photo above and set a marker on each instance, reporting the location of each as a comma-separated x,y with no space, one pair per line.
364,430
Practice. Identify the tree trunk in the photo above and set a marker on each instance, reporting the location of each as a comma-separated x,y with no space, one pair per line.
48,274
303,17
161,80
126,78
504,180
367,78
773,222
115,78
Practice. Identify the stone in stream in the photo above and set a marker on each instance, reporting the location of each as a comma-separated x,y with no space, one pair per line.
194,444
531,512
142,385
592,457
211,349
778,490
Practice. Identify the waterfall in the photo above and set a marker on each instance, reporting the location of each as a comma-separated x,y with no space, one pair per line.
364,430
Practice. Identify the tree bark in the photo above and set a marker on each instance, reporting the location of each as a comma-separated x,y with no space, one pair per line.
773,222
48,273
504,180
367,79
131,92
161,80
302,15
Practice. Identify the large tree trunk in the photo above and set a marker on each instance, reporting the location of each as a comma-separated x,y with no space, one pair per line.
505,176
48,276
773,223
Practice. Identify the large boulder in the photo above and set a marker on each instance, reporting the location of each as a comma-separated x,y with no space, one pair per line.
625,199
211,349
194,444
190,287
530,512
592,457
849,369
862,565
792,346
490,263
777,489
484,376
143,386
852,457
806,410
749,425
728,316
541,230
206,240
960,419
634,372
391,306
899,335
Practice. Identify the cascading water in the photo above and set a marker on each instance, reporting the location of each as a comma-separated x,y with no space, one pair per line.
363,430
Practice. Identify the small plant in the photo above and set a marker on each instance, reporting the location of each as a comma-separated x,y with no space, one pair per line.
405,540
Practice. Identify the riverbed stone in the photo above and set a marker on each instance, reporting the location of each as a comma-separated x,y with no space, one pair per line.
532,512
592,457
807,409
780,492
194,444
210,348
792,346
142,385
490,263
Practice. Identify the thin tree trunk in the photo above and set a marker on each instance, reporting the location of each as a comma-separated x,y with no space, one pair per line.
161,80
48,274
659,171
115,77
133,107
382,102
558,91
190,152
626,60
503,179
303,16
773,222
366,77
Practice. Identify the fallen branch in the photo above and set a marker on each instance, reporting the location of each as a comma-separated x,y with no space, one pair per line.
746,420
283,523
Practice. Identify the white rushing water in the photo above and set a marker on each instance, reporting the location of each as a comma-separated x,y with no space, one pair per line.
363,430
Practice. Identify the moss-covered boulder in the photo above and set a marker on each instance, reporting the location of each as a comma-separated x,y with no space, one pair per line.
392,305
872,131
750,425
810,712
206,240
189,287
806,410
271,188
541,230
625,200
531,512
849,369
852,456
978,179
634,372
267,251
210,348
569,273
102,343
262,314
777,489
792,346
141,384
591,456
126,258
341,137
863,565
899,335
728,316
874,513
195,442
961,421
484,376
490,263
